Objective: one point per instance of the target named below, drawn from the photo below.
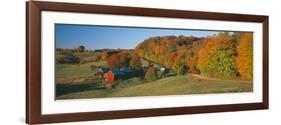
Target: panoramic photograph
(109, 61)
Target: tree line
(121, 59)
(226, 55)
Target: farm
(221, 62)
(82, 73)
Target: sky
(100, 37)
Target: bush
(94, 67)
(68, 57)
(161, 74)
(151, 74)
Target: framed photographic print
(94, 62)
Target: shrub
(93, 67)
(151, 74)
(161, 74)
(67, 57)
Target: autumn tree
(113, 61)
(119, 60)
(223, 55)
(192, 56)
(165, 50)
(135, 62)
(244, 59)
(151, 74)
(105, 55)
(171, 59)
(180, 68)
(217, 57)
(124, 59)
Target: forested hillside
(225, 55)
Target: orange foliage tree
(244, 59)
(113, 61)
(119, 60)
(151, 74)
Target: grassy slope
(175, 85)
(76, 70)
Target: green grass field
(76, 70)
(174, 85)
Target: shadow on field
(62, 89)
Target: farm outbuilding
(102, 71)
(114, 74)
(109, 76)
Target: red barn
(109, 76)
(114, 74)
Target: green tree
(81, 48)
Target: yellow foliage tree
(244, 60)
(217, 56)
